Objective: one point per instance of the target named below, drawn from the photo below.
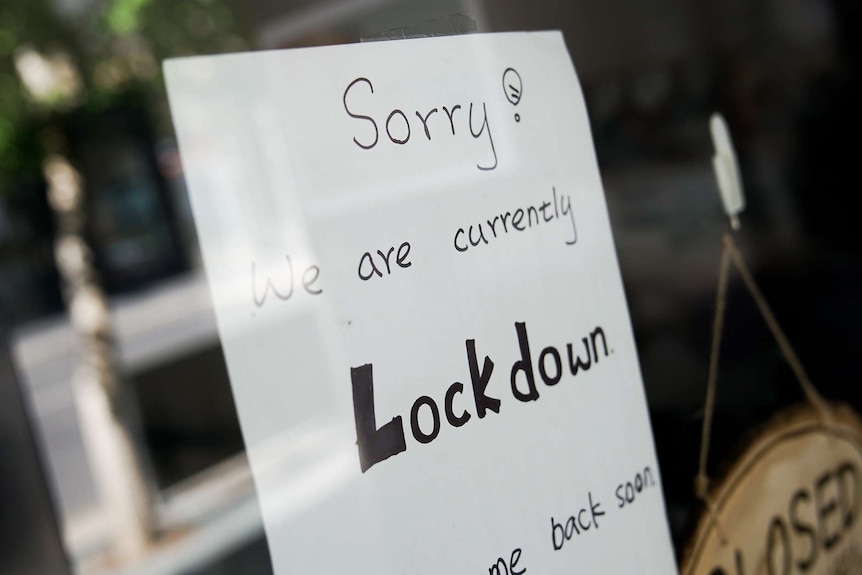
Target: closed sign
(790, 505)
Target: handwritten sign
(420, 306)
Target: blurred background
(94, 218)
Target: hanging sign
(791, 504)
(419, 302)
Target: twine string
(811, 393)
(730, 254)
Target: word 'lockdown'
(376, 445)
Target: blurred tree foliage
(105, 50)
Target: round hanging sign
(790, 505)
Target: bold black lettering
(558, 366)
(420, 435)
(804, 529)
(576, 366)
(454, 421)
(480, 381)
(524, 365)
(374, 444)
(777, 526)
(848, 481)
(389, 132)
(360, 116)
(824, 510)
(593, 336)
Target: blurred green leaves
(124, 15)
(114, 48)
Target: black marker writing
(368, 267)
(360, 116)
(483, 128)
(501, 567)
(581, 522)
(431, 124)
(376, 445)
(558, 207)
(627, 492)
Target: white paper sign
(421, 309)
